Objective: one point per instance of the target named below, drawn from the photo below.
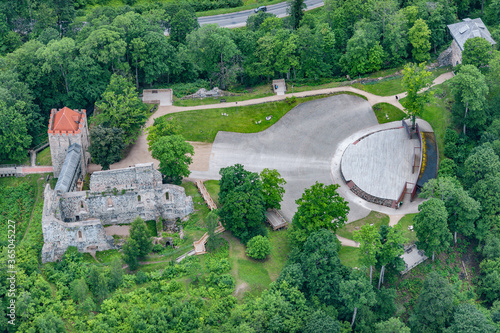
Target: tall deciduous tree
(419, 36)
(320, 207)
(57, 57)
(295, 9)
(434, 305)
(106, 145)
(356, 292)
(392, 325)
(470, 88)
(14, 137)
(467, 318)
(138, 245)
(416, 82)
(364, 53)
(162, 127)
(462, 209)
(122, 108)
(369, 240)
(477, 51)
(390, 249)
(173, 153)
(105, 45)
(242, 204)
(431, 226)
(272, 188)
(182, 24)
(396, 38)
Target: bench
(223, 100)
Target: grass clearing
(43, 157)
(108, 256)
(349, 256)
(280, 248)
(392, 85)
(405, 222)
(374, 217)
(213, 188)
(203, 125)
(387, 113)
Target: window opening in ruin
(110, 202)
(81, 204)
(138, 198)
(77, 218)
(79, 234)
(167, 196)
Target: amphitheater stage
(379, 165)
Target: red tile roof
(66, 120)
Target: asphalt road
(239, 19)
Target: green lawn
(108, 256)
(392, 86)
(349, 256)
(203, 125)
(376, 218)
(406, 221)
(386, 113)
(280, 248)
(213, 188)
(43, 157)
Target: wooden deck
(276, 220)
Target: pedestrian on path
(396, 97)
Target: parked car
(260, 9)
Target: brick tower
(66, 127)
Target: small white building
(461, 31)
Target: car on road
(260, 9)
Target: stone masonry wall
(456, 54)
(142, 176)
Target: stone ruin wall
(124, 208)
(61, 227)
(142, 176)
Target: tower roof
(66, 121)
(468, 28)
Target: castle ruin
(77, 218)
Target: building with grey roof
(71, 170)
(461, 32)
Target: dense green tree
(431, 226)
(14, 137)
(462, 209)
(49, 322)
(57, 56)
(115, 274)
(88, 81)
(106, 46)
(321, 267)
(162, 127)
(364, 53)
(491, 247)
(320, 207)
(434, 305)
(369, 240)
(467, 318)
(356, 292)
(98, 283)
(490, 280)
(313, 63)
(392, 325)
(295, 8)
(477, 51)
(242, 203)
(470, 89)
(121, 107)
(395, 39)
(272, 188)
(258, 247)
(138, 245)
(79, 291)
(216, 53)
(182, 24)
(212, 222)
(175, 156)
(254, 21)
(106, 145)
(319, 321)
(419, 36)
(416, 82)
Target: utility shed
(461, 31)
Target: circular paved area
(301, 146)
(381, 163)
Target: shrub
(258, 247)
(157, 248)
